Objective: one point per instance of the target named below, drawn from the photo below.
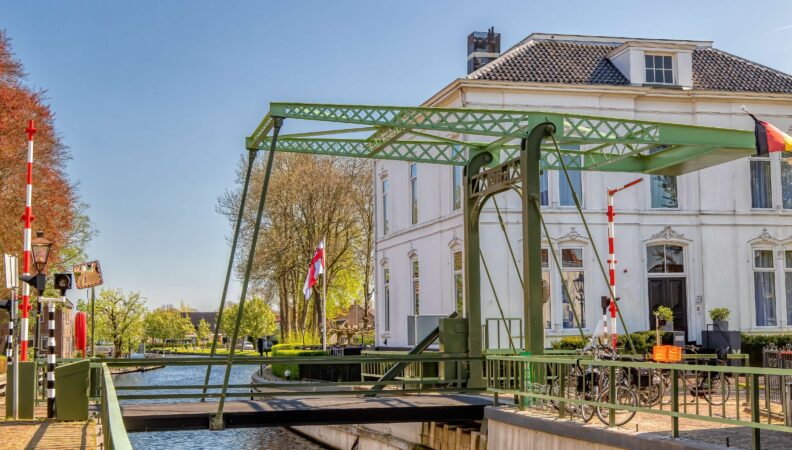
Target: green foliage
(167, 324)
(258, 319)
(719, 314)
(752, 344)
(279, 370)
(119, 319)
(307, 337)
(203, 332)
(643, 341)
(3, 365)
(664, 313)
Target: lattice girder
(607, 144)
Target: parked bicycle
(714, 387)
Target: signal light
(39, 281)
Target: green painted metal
(532, 239)
(497, 365)
(71, 390)
(231, 257)
(217, 421)
(607, 144)
(114, 434)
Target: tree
(309, 198)
(167, 324)
(203, 332)
(258, 319)
(119, 318)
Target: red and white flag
(316, 268)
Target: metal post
(675, 402)
(37, 331)
(217, 421)
(532, 240)
(472, 255)
(26, 245)
(50, 360)
(756, 439)
(93, 322)
(230, 268)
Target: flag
(316, 268)
(769, 138)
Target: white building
(718, 237)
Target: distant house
(355, 317)
(209, 317)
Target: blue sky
(155, 98)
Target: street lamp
(41, 248)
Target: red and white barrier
(27, 217)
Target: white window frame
(774, 270)
(386, 297)
(773, 183)
(413, 193)
(546, 270)
(385, 186)
(584, 310)
(663, 208)
(454, 274)
(457, 187)
(674, 76)
(560, 179)
(786, 271)
(665, 274)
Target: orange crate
(667, 353)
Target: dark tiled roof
(576, 62)
(209, 317)
(720, 71)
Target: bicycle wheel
(625, 397)
(718, 391)
(570, 391)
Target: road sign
(87, 274)
(11, 271)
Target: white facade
(718, 223)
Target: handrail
(113, 431)
(738, 396)
(297, 360)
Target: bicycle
(714, 387)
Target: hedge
(287, 350)
(643, 341)
(752, 344)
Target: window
(664, 191)
(416, 286)
(544, 197)
(761, 186)
(786, 181)
(665, 259)
(414, 193)
(572, 272)
(385, 212)
(457, 187)
(659, 69)
(788, 283)
(386, 298)
(764, 288)
(546, 289)
(565, 197)
(459, 284)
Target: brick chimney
(483, 47)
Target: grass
(206, 351)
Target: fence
(114, 434)
(774, 357)
(581, 388)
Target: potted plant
(664, 317)
(720, 318)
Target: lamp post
(580, 288)
(40, 249)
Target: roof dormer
(655, 63)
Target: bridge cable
(497, 301)
(588, 232)
(558, 268)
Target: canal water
(235, 438)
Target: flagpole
(324, 295)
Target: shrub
(3, 365)
(287, 350)
(643, 341)
(664, 313)
(718, 314)
(752, 344)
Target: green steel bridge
(500, 150)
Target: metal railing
(777, 358)
(416, 382)
(581, 388)
(114, 434)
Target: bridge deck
(290, 411)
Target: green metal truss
(433, 135)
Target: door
(670, 292)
